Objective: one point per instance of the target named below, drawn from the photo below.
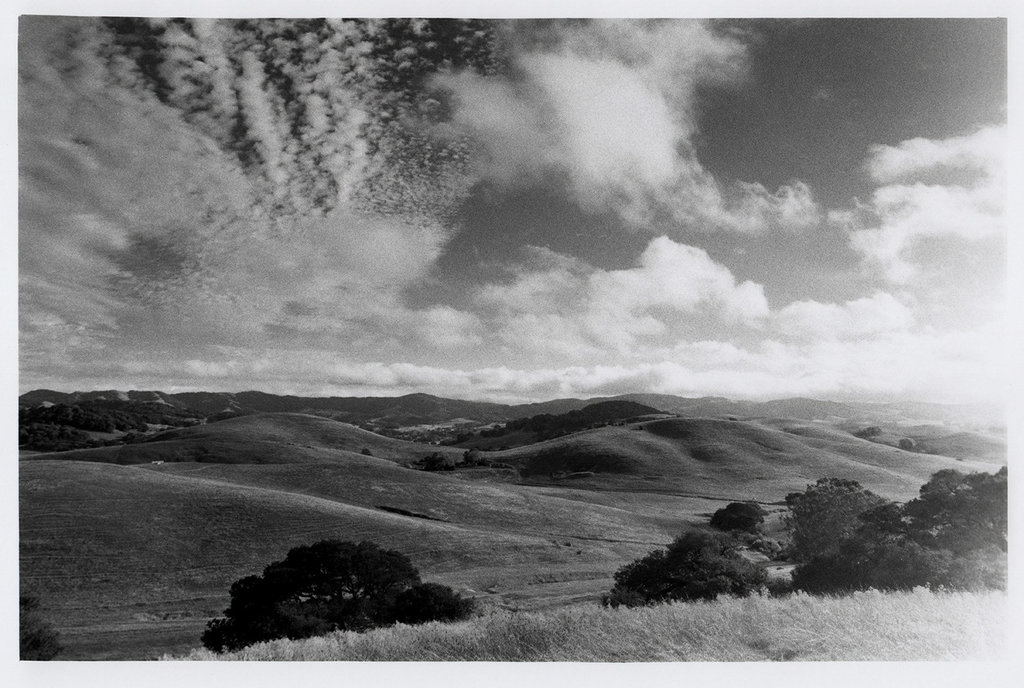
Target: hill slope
(130, 559)
(257, 438)
(722, 458)
(413, 409)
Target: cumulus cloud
(931, 189)
(567, 306)
(979, 155)
(930, 365)
(872, 315)
(612, 106)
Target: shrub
(695, 566)
(438, 462)
(431, 602)
(38, 639)
(744, 516)
(766, 546)
(330, 585)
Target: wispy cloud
(613, 107)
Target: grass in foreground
(918, 625)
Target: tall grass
(918, 625)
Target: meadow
(867, 626)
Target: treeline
(61, 427)
(952, 536)
(547, 426)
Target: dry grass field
(867, 626)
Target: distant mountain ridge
(419, 408)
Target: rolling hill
(722, 459)
(413, 409)
(130, 558)
(254, 439)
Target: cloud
(979, 155)
(949, 367)
(932, 190)
(263, 203)
(169, 200)
(611, 107)
(565, 306)
(877, 314)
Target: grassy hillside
(131, 561)
(131, 558)
(724, 459)
(259, 438)
(912, 626)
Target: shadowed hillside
(722, 458)
(258, 438)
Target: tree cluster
(61, 427)
(697, 565)
(739, 516)
(46, 437)
(953, 535)
(327, 586)
(547, 426)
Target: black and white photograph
(534, 339)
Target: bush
(744, 516)
(438, 462)
(766, 546)
(38, 639)
(431, 602)
(695, 566)
(330, 585)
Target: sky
(514, 210)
